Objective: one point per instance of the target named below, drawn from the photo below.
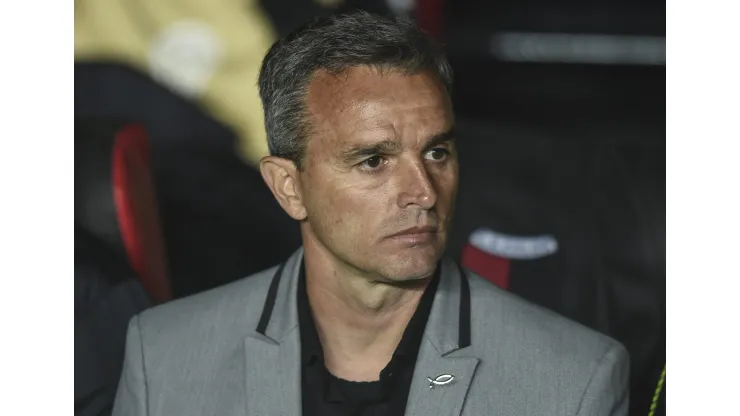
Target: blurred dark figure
(561, 111)
(572, 218)
(219, 220)
(120, 267)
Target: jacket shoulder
(548, 363)
(533, 329)
(237, 303)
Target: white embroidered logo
(513, 247)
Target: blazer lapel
(428, 398)
(273, 351)
(444, 370)
(273, 375)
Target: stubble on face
(380, 160)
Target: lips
(409, 232)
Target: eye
(437, 154)
(373, 163)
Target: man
(367, 318)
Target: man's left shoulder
(529, 331)
(546, 363)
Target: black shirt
(326, 395)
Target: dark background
(561, 109)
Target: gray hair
(336, 44)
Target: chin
(402, 266)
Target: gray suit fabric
(203, 355)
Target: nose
(417, 188)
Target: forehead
(362, 103)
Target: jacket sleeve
(131, 397)
(607, 393)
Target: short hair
(336, 44)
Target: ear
(281, 176)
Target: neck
(360, 321)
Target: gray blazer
(235, 350)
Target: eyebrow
(389, 146)
(440, 138)
(362, 151)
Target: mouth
(420, 233)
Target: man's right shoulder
(221, 309)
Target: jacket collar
(448, 326)
(272, 352)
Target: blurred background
(561, 120)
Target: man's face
(380, 174)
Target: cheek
(349, 209)
(339, 210)
(447, 181)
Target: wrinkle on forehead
(363, 102)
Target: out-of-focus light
(185, 55)
(400, 6)
(579, 48)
